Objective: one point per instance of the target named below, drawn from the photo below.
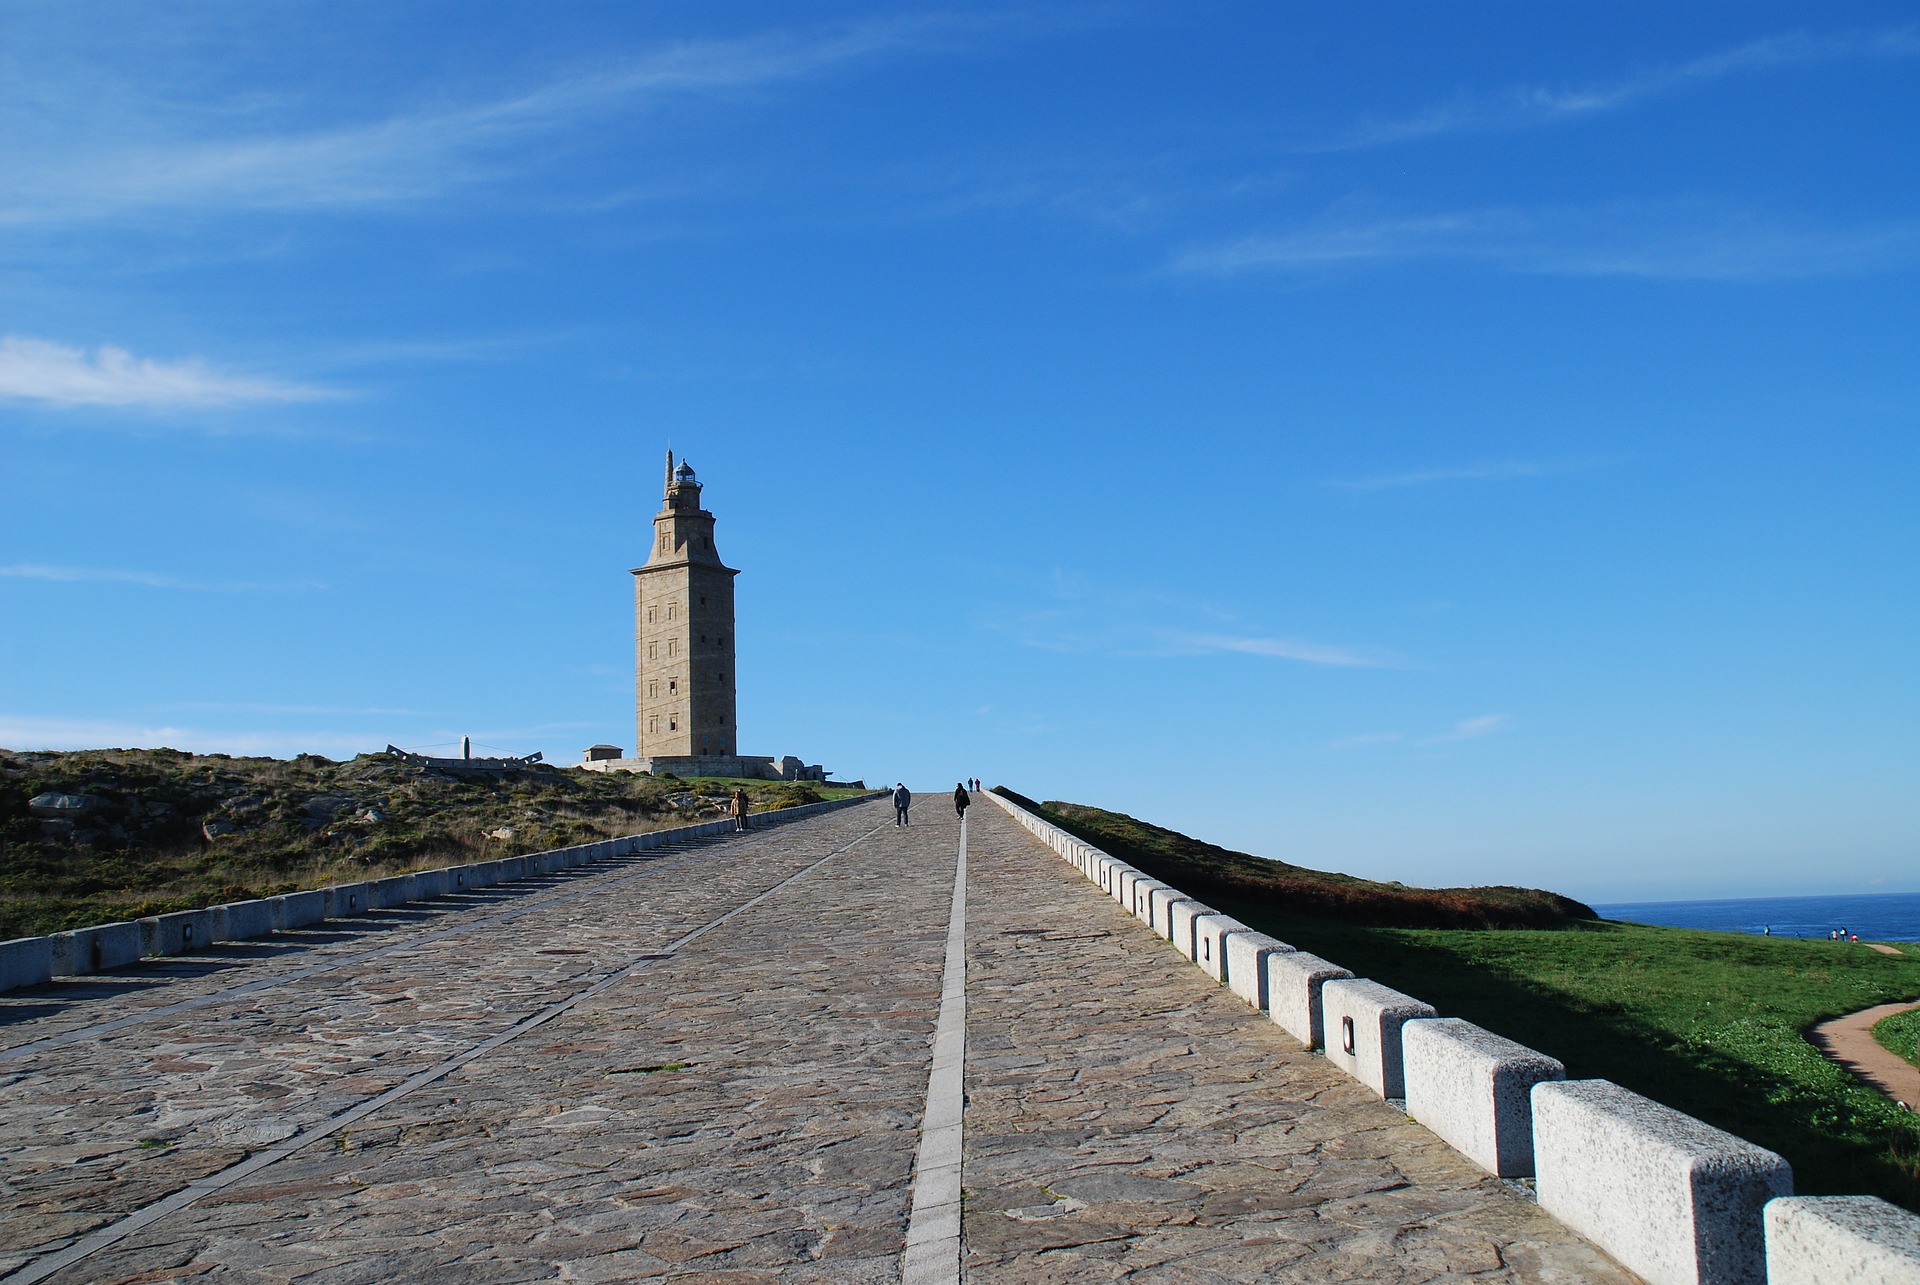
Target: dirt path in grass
(1849, 1041)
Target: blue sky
(1444, 443)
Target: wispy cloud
(150, 580)
(1528, 106)
(42, 371)
(1472, 729)
(257, 707)
(413, 156)
(1081, 618)
(1675, 241)
(1366, 738)
(1467, 729)
(27, 732)
(1485, 471)
(1310, 653)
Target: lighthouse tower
(683, 630)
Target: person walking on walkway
(739, 809)
(901, 802)
(960, 801)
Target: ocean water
(1889, 916)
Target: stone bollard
(96, 949)
(1295, 980)
(1103, 865)
(1210, 935)
(1474, 1089)
(243, 920)
(1247, 965)
(1363, 1021)
(1159, 916)
(1142, 905)
(1678, 1202)
(344, 899)
(458, 878)
(177, 933)
(25, 961)
(1180, 916)
(1841, 1240)
(298, 909)
(385, 894)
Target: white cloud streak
(1652, 242)
(1530, 106)
(1467, 729)
(1310, 653)
(38, 370)
(149, 580)
(26, 732)
(1486, 471)
(1472, 729)
(1086, 619)
(419, 155)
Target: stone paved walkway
(746, 1109)
(749, 1106)
(1129, 1119)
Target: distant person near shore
(739, 809)
(902, 800)
(960, 801)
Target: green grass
(1900, 1034)
(1708, 1023)
(141, 851)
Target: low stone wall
(34, 961)
(1672, 1198)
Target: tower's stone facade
(683, 627)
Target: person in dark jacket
(739, 809)
(960, 801)
(901, 802)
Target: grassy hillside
(1206, 870)
(1709, 1023)
(1901, 1034)
(170, 831)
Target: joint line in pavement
(44, 1266)
(932, 1254)
(535, 902)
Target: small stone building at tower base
(762, 766)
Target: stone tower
(683, 627)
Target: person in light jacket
(739, 809)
